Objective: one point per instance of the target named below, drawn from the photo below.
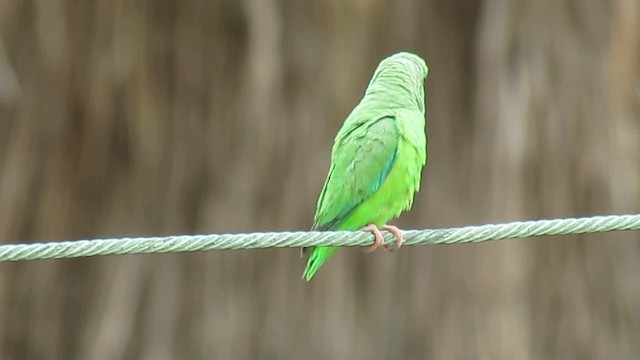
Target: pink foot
(379, 239)
(397, 233)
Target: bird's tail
(318, 256)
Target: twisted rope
(184, 243)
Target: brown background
(123, 118)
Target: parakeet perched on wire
(377, 157)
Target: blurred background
(134, 118)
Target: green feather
(377, 156)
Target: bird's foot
(397, 233)
(379, 239)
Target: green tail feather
(317, 257)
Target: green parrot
(377, 157)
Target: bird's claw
(397, 233)
(379, 239)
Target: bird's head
(404, 71)
(403, 64)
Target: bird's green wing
(361, 159)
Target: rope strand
(185, 243)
